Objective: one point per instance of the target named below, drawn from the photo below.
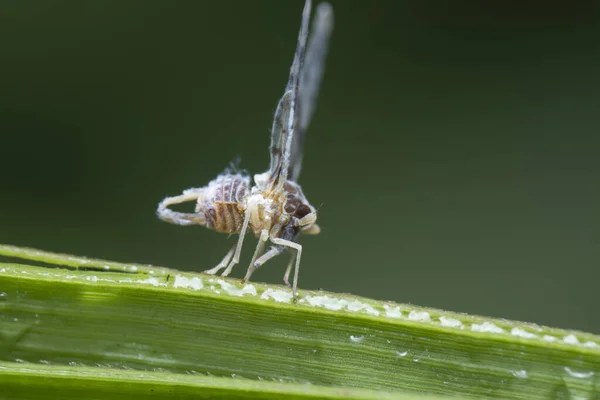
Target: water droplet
(521, 374)
(571, 339)
(486, 326)
(422, 316)
(401, 354)
(357, 339)
(549, 338)
(578, 374)
(450, 322)
(522, 333)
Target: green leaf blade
(147, 318)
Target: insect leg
(238, 249)
(308, 219)
(163, 212)
(286, 276)
(273, 251)
(264, 236)
(223, 262)
(298, 247)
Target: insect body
(275, 208)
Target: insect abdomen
(225, 203)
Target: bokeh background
(453, 155)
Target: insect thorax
(280, 206)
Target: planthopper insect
(275, 209)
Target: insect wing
(279, 136)
(311, 75)
(285, 119)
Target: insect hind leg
(179, 218)
(223, 262)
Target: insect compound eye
(302, 211)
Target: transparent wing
(284, 123)
(279, 137)
(311, 75)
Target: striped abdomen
(225, 202)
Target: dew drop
(578, 374)
(357, 339)
(521, 374)
(401, 354)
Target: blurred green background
(453, 155)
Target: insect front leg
(223, 262)
(309, 218)
(264, 236)
(298, 247)
(238, 249)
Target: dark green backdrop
(453, 155)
